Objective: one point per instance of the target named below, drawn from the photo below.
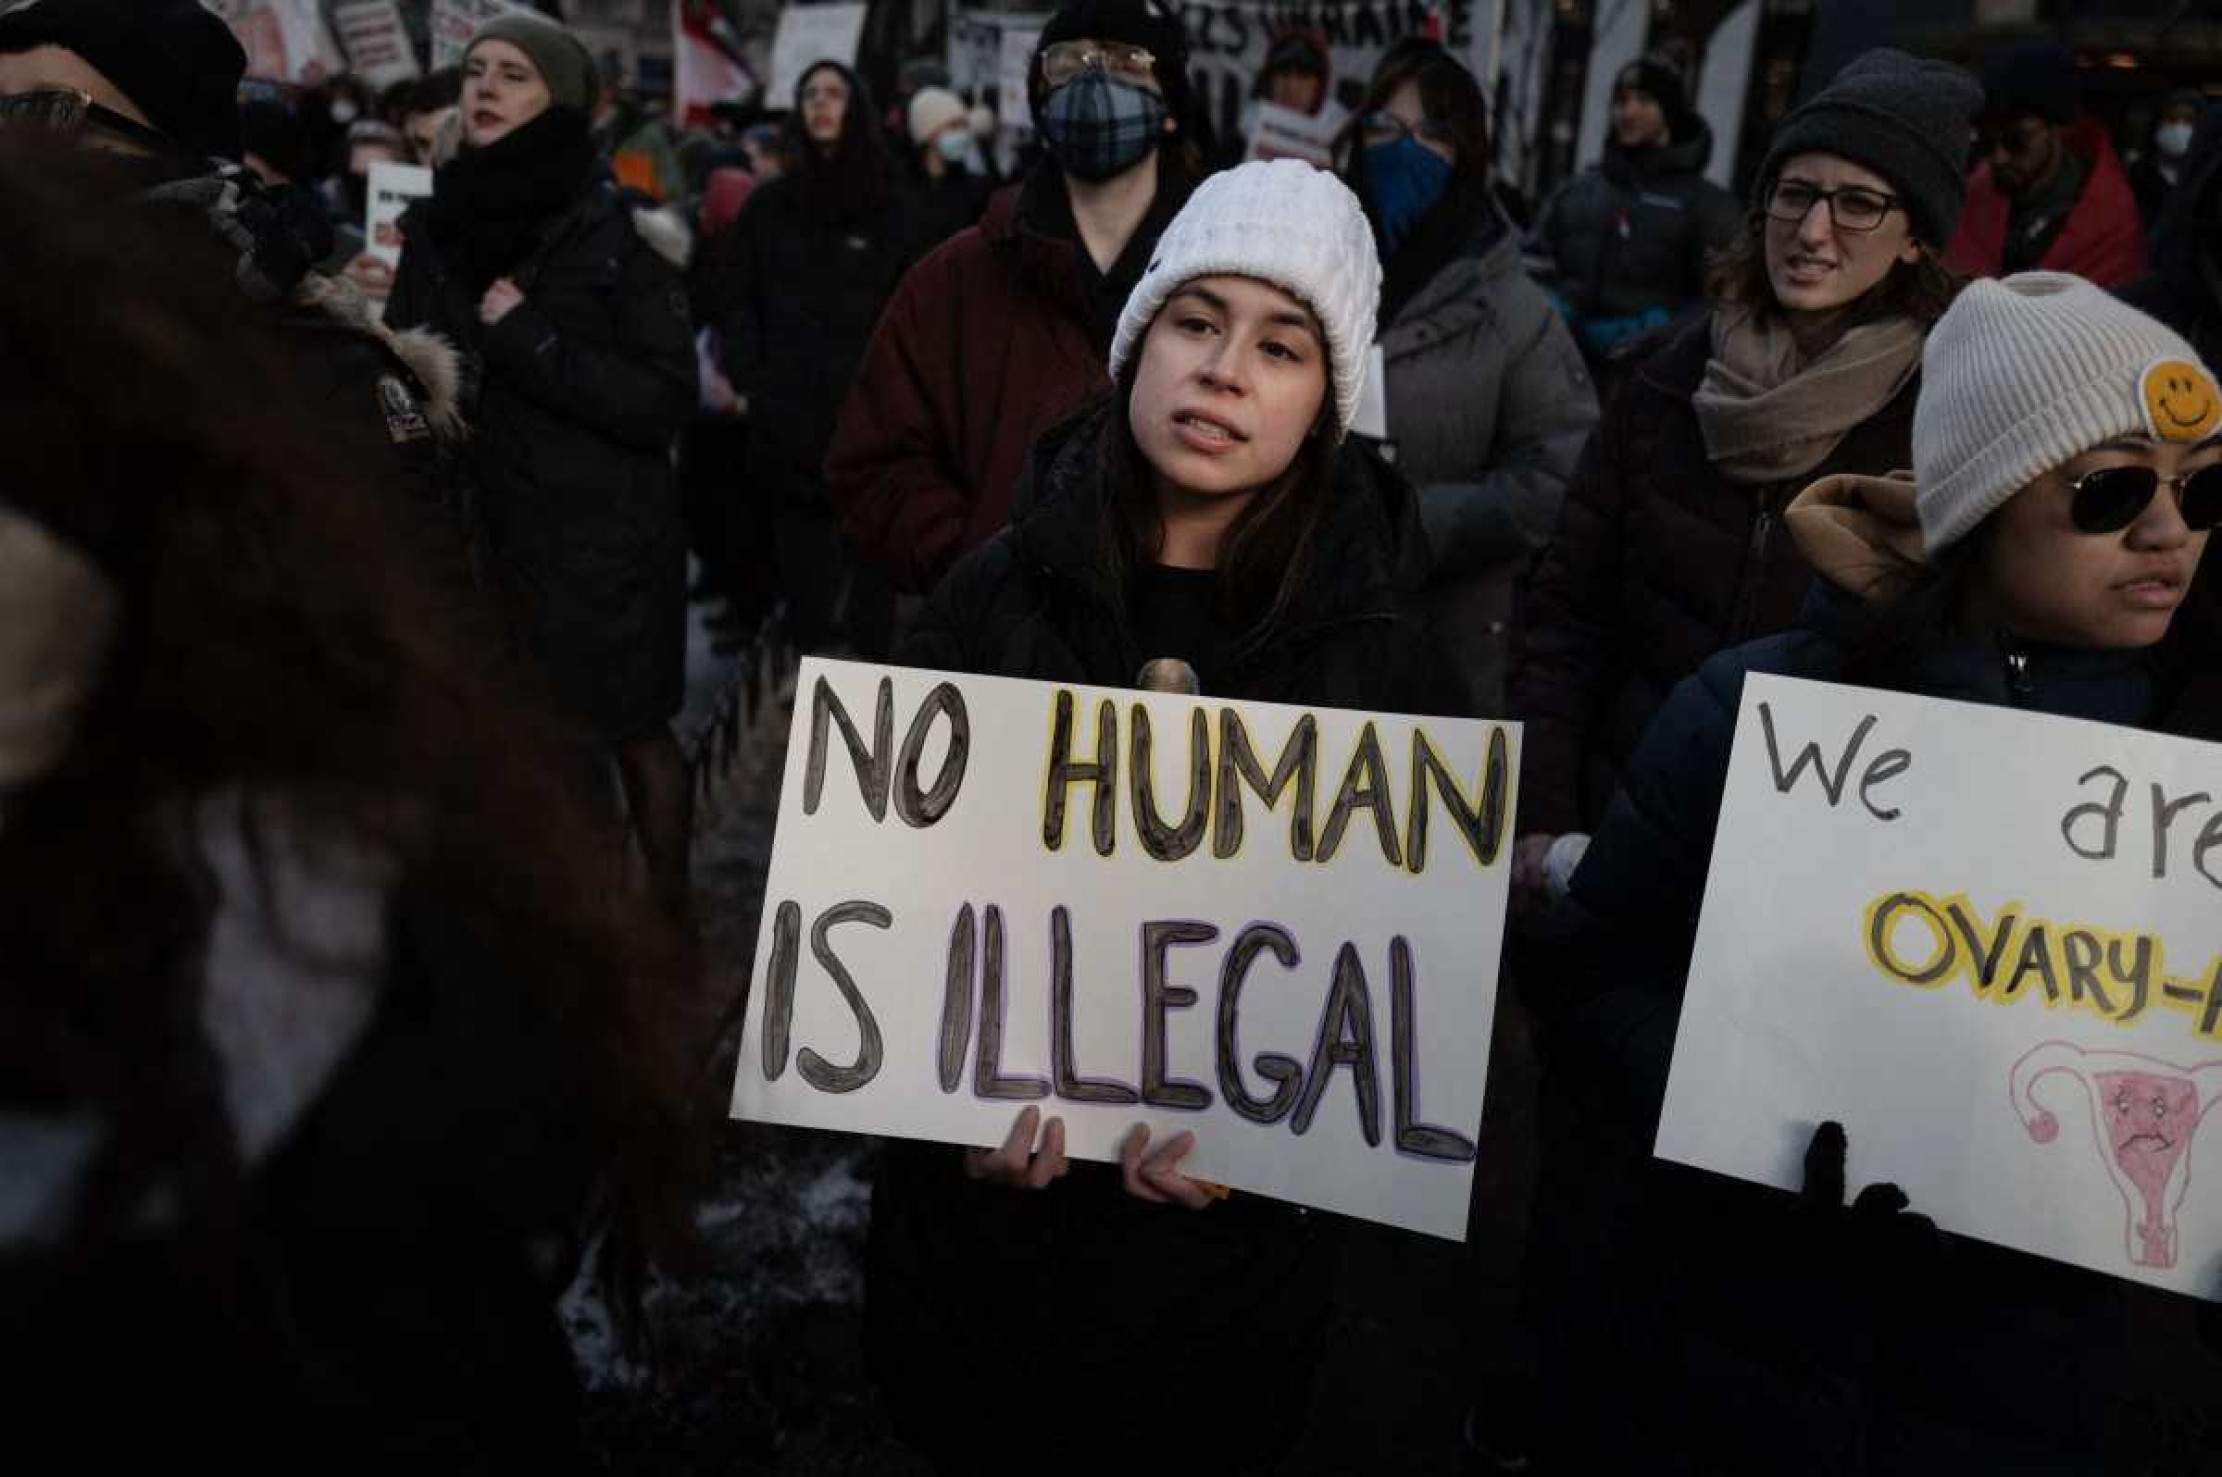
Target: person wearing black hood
(794, 289)
(1628, 241)
(2155, 172)
(2184, 287)
(1002, 331)
(146, 91)
(581, 357)
(1488, 402)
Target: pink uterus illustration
(2143, 1112)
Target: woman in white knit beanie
(2043, 555)
(1205, 528)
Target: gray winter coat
(1489, 406)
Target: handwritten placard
(392, 188)
(376, 41)
(1276, 927)
(1990, 944)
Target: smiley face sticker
(2181, 400)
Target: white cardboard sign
(1242, 919)
(1989, 943)
(392, 189)
(808, 35)
(376, 41)
(454, 21)
(1284, 133)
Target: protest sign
(285, 40)
(391, 189)
(807, 35)
(1228, 42)
(1989, 944)
(1014, 67)
(1278, 928)
(376, 41)
(1284, 133)
(453, 21)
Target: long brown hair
(275, 640)
(1265, 559)
(1920, 290)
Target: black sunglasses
(66, 110)
(2112, 498)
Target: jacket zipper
(2020, 686)
(1755, 565)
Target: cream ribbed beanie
(2025, 373)
(1280, 221)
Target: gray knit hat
(1280, 221)
(564, 62)
(1905, 118)
(2026, 373)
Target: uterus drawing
(2144, 1113)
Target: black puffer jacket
(580, 392)
(1146, 1307)
(1659, 562)
(794, 296)
(1633, 233)
(1757, 1351)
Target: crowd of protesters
(343, 615)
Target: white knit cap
(932, 109)
(1280, 221)
(2025, 373)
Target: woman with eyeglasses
(1670, 544)
(2067, 471)
(1487, 401)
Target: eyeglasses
(2112, 498)
(1387, 128)
(66, 110)
(1068, 59)
(1851, 207)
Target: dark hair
(1920, 290)
(1266, 558)
(856, 177)
(274, 640)
(440, 88)
(1449, 96)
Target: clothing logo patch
(2181, 401)
(405, 420)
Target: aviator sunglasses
(2112, 498)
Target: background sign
(1987, 942)
(809, 34)
(1276, 927)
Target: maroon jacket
(989, 341)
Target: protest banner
(1278, 928)
(392, 188)
(1014, 67)
(807, 35)
(285, 40)
(1228, 42)
(453, 21)
(1987, 942)
(1284, 133)
(376, 41)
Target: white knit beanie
(1280, 221)
(2025, 373)
(932, 109)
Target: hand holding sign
(1095, 877)
(1996, 959)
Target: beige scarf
(1769, 416)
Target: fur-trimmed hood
(431, 359)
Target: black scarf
(491, 206)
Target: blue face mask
(955, 146)
(1404, 179)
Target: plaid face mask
(1098, 126)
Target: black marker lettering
(1285, 1072)
(1345, 1039)
(870, 1052)
(1070, 1085)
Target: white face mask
(344, 111)
(2174, 139)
